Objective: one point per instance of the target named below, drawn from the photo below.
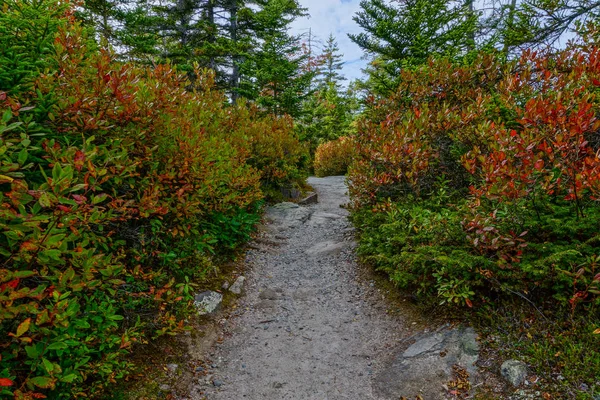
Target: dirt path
(310, 327)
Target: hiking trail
(311, 326)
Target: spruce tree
(271, 72)
(404, 34)
(330, 60)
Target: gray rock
(172, 368)
(324, 218)
(217, 383)
(237, 285)
(225, 285)
(427, 364)
(514, 371)
(164, 387)
(291, 193)
(287, 215)
(269, 294)
(324, 249)
(208, 302)
(526, 395)
(311, 198)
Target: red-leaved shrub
(118, 186)
(334, 157)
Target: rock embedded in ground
(208, 302)
(269, 294)
(172, 368)
(327, 248)
(428, 364)
(514, 371)
(311, 198)
(287, 215)
(237, 285)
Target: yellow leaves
(5, 179)
(23, 327)
(596, 332)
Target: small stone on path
(269, 294)
(324, 249)
(217, 383)
(208, 302)
(514, 371)
(237, 285)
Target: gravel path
(308, 326)
(308, 330)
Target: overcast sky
(334, 16)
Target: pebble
(172, 367)
(217, 383)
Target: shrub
(485, 176)
(118, 187)
(334, 157)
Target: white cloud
(334, 16)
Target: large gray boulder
(426, 366)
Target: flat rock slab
(325, 249)
(426, 366)
(287, 215)
(324, 218)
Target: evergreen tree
(328, 114)
(271, 73)
(407, 33)
(540, 23)
(330, 60)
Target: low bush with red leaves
(334, 157)
(119, 186)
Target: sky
(334, 16)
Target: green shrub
(118, 188)
(517, 209)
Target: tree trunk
(510, 21)
(235, 73)
(471, 14)
(210, 14)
